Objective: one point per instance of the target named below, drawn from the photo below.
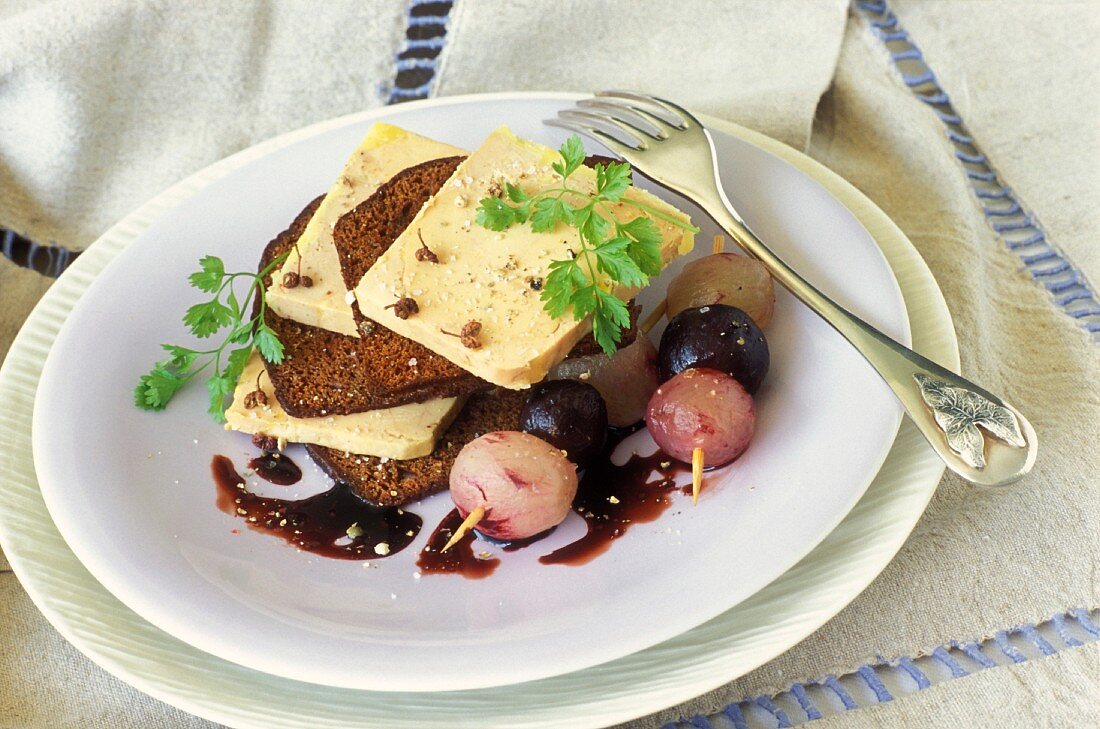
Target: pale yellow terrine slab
(384, 151)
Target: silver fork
(979, 436)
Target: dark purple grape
(719, 337)
(569, 415)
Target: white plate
(132, 491)
(730, 644)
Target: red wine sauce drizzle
(276, 468)
(614, 498)
(336, 523)
(460, 558)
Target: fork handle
(945, 407)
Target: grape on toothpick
(702, 417)
(511, 485)
(569, 415)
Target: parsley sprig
(611, 251)
(224, 311)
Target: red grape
(525, 485)
(702, 408)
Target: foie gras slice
(494, 278)
(400, 433)
(384, 151)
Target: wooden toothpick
(467, 524)
(696, 474)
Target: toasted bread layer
(395, 483)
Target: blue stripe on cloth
(416, 64)
(915, 673)
(890, 680)
(956, 669)
(803, 699)
(934, 98)
(845, 697)
(867, 673)
(1001, 639)
(48, 260)
(915, 73)
(1012, 209)
(1082, 616)
(975, 653)
(1029, 632)
(734, 714)
(783, 721)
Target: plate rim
(132, 225)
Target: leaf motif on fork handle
(959, 412)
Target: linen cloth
(103, 122)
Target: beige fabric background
(978, 561)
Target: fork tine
(680, 111)
(609, 124)
(637, 122)
(680, 119)
(591, 132)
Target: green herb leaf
(235, 363)
(219, 386)
(156, 388)
(594, 228)
(206, 318)
(645, 246)
(612, 180)
(496, 214)
(585, 300)
(561, 286)
(572, 154)
(611, 317)
(181, 357)
(268, 344)
(548, 212)
(209, 279)
(515, 192)
(613, 259)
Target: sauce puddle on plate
(459, 559)
(611, 499)
(276, 468)
(336, 523)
